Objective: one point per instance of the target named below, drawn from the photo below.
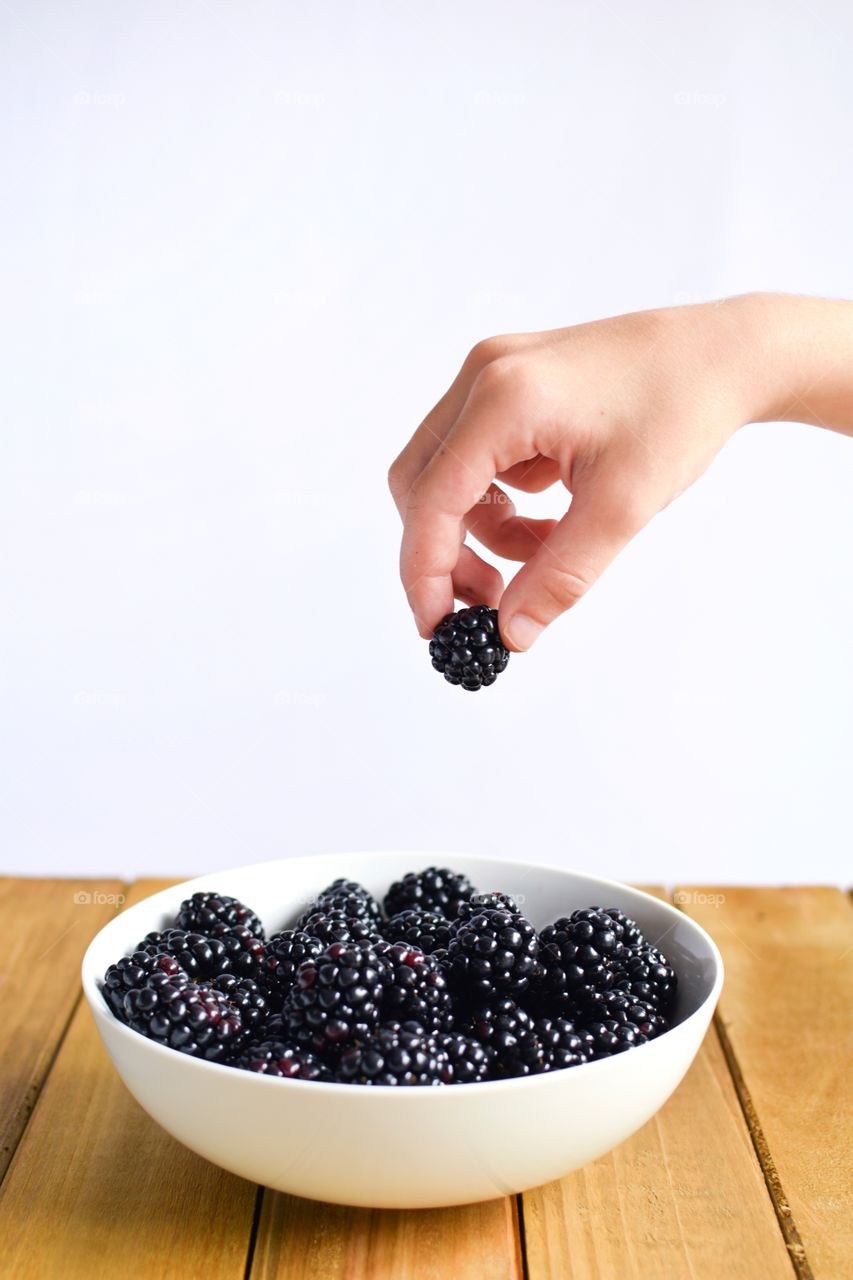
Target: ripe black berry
(463, 1059)
(487, 901)
(245, 996)
(347, 896)
(133, 971)
(275, 1058)
(235, 950)
(196, 1020)
(210, 913)
(336, 998)
(436, 889)
(646, 973)
(419, 928)
(416, 988)
(396, 1054)
(579, 955)
(493, 953)
(285, 953)
(498, 1026)
(331, 925)
(467, 648)
(611, 1037)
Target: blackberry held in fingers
(467, 649)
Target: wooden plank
(303, 1240)
(47, 925)
(785, 1021)
(683, 1197)
(97, 1189)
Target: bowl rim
(101, 1011)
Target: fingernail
(522, 631)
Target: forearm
(801, 355)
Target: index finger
(454, 481)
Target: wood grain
(685, 1197)
(97, 1189)
(47, 925)
(786, 1018)
(304, 1240)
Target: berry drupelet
(419, 928)
(275, 1058)
(210, 913)
(467, 648)
(336, 998)
(398, 1053)
(493, 953)
(436, 889)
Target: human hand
(625, 412)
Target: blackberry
(436, 889)
(463, 1059)
(336, 926)
(621, 1005)
(246, 996)
(210, 913)
(235, 950)
(579, 955)
(487, 901)
(199, 956)
(611, 1037)
(275, 1058)
(631, 935)
(551, 1045)
(645, 972)
(416, 989)
(419, 928)
(336, 998)
(493, 953)
(196, 1020)
(285, 953)
(498, 1026)
(467, 648)
(396, 1054)
(343, 895)
(133, 971)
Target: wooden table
(744, 1173)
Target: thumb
(598, 524)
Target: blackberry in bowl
(523, 1093)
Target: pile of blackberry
(438, 985)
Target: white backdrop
(245, 247)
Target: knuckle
(508, 376)
(487, 350)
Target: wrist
(796, 359)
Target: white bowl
(383, 1147)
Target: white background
(245, 247)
